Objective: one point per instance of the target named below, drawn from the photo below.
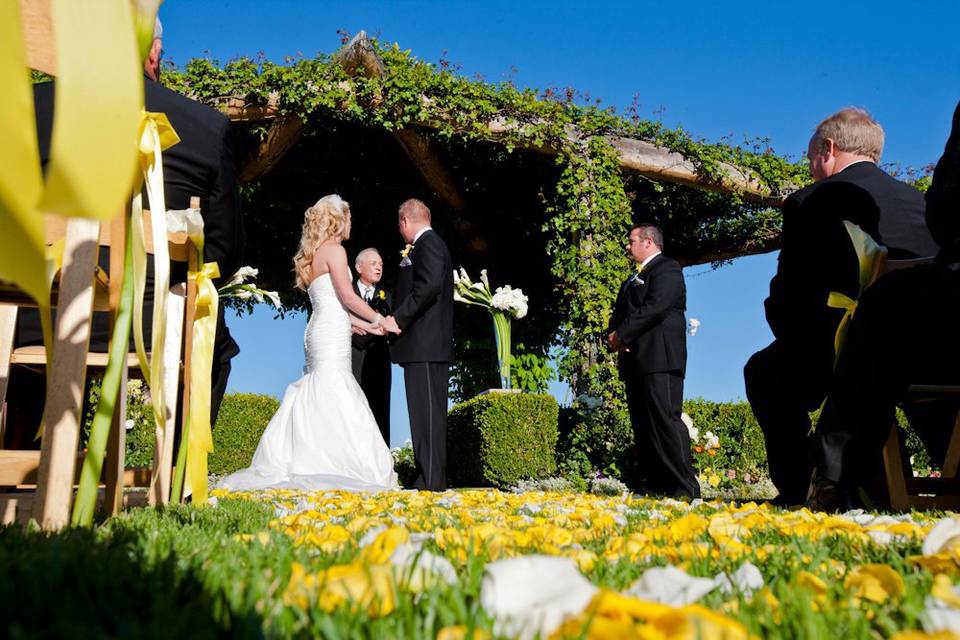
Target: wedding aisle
(482, 563)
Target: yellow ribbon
(870, 258)
(199, 431)
(155, 135)
(91, 158)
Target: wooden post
(117, 441)
(8, 324)
(66, 375)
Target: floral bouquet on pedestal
(504, 304)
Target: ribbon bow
(198, 431)
(870, 257)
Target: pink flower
(732, 474)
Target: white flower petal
(670, 585)
(532, 595)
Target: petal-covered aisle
(576, 565)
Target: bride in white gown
(324, 436)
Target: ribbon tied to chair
(870, 258)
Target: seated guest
(371, 353)
(789, 378)
(901, 334)
(201, 164)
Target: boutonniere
(382, 294)
(406, 251)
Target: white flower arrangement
(504, 304)
(237, 287)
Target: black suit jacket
(943, 197)
(817, 257)
(201, 164)
(648, 318)
(423, 304)
(381, 306)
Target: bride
(324, 436)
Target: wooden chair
(55, 468)
(905, 490)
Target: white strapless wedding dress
(323, 436)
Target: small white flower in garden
(692, 326)
(691, 430)
(129, 425)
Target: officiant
(371, 356)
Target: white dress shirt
(643, 265)
(420, 233)
(366, 290)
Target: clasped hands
(614, 343)
(380, 326)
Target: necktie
(368, 294)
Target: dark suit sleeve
(943, 197)
(663, 293)
(776, 305)
(223, 221)
(427, 279)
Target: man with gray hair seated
(789, 379)
(371, 354)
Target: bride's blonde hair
(325, 220)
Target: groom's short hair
(363, 254)
(649, 230)
(415, 211)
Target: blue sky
(720, 68)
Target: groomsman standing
(423, 309)
(371, 355)
(648, 329)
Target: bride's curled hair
(324, 220)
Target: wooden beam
(359, 57)
(765, 244)
(426, 159)
(283, 134)
(38, 35)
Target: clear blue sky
(716, 68)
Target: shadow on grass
(82, 583)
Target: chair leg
(893, 465)
(8, 325)
(163, 452)
(65, 376)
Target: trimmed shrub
(741, 440)
(499, 439)
(240, 423)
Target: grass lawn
(405, 564)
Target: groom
(423, 309)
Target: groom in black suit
(371, 355)
(648, 329)
(423, 310)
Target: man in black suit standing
(371, 354)
(648, 329)
(423, 310)
(201, 164)
(902, 334)
(789, 379)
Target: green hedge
(499, 438)
(741, 440)
(240, 423)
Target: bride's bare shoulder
(326, 258)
